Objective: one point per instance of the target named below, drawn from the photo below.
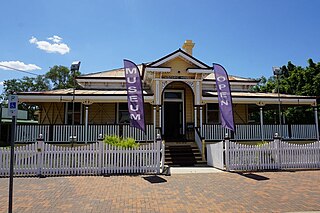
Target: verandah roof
(261, 98)
(81, 95)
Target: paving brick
(215, 192)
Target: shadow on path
(254, 176)
(155, 179)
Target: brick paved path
(218, 192)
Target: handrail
(199, 141)
(162, 149)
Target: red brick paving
(217, 192)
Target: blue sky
(248, 37)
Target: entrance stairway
(183, 154)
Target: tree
(26, 84)
(58, 77)
(61, 77)
(295, 80)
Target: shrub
(121, 142)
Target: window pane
(173, 95)
(76, 118)
(213, 106)
(213, 116)
(123, 106)
(213, 113)
(124, 117)
(77, 107)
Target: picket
(97, 158)
(272, 155)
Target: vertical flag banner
(224, 97)
(134, 95)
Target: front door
(173, 120)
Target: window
(77, 113)
(123, 113)
(173, 95)
(213, 113)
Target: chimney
(187, 46)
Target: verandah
(62, 133)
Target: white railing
(253, 131)
(30, 133)
(273, 155)
(97, 158)
(214, 132)
(244, 132)
(198, 138)
(270, 129)
(137, 134)
(303, 131)
(62, 133)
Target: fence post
(226, 149)
(277, 140)
(158, 144)
(100, 153)
(40, 150)
(203, 151)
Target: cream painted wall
(52, 113)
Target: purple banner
(224, 97)
(135, 95)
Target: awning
(261, 98)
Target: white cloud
(1, 83)
(18, 65)
(55, 39)
(55, 47)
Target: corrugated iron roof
(82, 92)
(257, 95)
(115, 73)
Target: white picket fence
(273, 155)
(94, 159)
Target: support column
(200, 124)
(316, 121)
(160, 117)
(154, 121)
(86, 125)
(261, 123)
(195, 116)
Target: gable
(179, 68)
(183, 55)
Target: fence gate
(215, 155)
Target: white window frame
(174, 100)
(66, 112)
(207, 109)
(118, 110)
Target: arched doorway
(177, 104)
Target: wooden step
(183, 154)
